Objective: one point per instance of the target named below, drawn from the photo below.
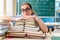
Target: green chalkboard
(41, 7)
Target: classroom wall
(6, 7)
(9, 7)
(1, 7)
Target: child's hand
(35, 17)
(30, 17)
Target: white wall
(1, 7)
(9, 7)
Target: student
(27, 12)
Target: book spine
(24, 26)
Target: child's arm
(41, 24)
(7, 18)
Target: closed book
(19, 34)
(19, 23)
(36, 35)
(16, 30)
(30, 26)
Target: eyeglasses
(26, 9)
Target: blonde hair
(33, 12)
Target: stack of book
(4, 27)
(25, 28)
(19, 22)
(31, 29)
(16, 29)
(30, 23)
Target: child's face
(26, 10)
